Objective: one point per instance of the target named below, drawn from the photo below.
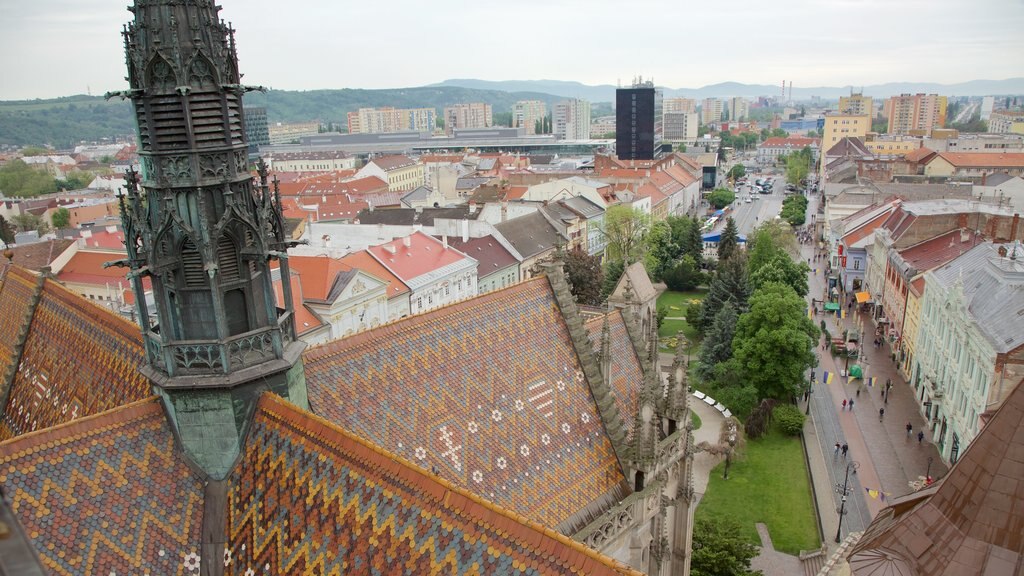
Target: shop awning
(831, 306)
(863, 297)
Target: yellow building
(911, 324)
(857, 105)
(400, 172)
(892, 145)
(839, 126)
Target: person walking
(910, 429)
(881, 413)
(845, 448)
(836, 452)
(851, 404)
(844, 403)
(920, 437)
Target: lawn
(675, 304)
(696, 420)
(768, 484)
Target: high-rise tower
(205, 234)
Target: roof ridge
(287, 411)
(83, 424)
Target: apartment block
(739, 109)
(1006, 122)
(527, 113)
(680, 105)
(472, 115)
(915, 112)
(857, 105)
(570, 119)
(390, 120)
(711, 111)
(288, 133)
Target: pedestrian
(888, 384)
(910, 429)
(851, 404)
(836, 453)
(881, 413)
(920, 436)
(885, 399)
(858, 391)
(844, 403)
(845, 448)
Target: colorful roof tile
(338, 504)
(488, 393)
(627, 377)
(79, 359)
(106, 494)
(15, 306)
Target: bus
(710, 224)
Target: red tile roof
(389, 163)
(918, 155)
(487, 392)
(105, 239)
(367, 263)
(490, 255)
(305, 321)
(983, 159)
(423, 255)
(356, 506)
(791, 142)
(40, 254)
(86, 267)
(940, 250)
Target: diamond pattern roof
(488, 393)
(340, 505)
(106, 494)
(15, 304)
(627, 377)
(79, 359)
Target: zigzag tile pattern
(79, 359)
(627, 377)
(487, 393)
(309, 498)
(106, 495)
(15, 300)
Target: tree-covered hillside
(63, 122)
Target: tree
(720, 198)
(613, 270)
(728, 243)
(797, 167)
(783, 269)
(18, 179)
(585, 276)
(624, 229)
(694, 243)
(61, 218)
(717, 346)
(736, 172)
(729, 285)
(774, 342)
(684, 276)
(794, 210)
(662, 251)
(6, 231)
(720, 549)
(34, 151)
(681, 148)
(767, 240)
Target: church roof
(971, 523)
(627, 377)
(106, 494)
(78, 359)
(489, 393)
(643, 290)
(17, 286)
(341, 503)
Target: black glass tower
(638, 122)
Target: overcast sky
(55, 48)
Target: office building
(256, 129)
(638, 122)
(681, 127)
(570, 119)
(915, 112)
(288, 133)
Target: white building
(436, 274)
(570, 119)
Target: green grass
(696, 420)
(767, 484)
(670, 328)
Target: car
(759, 182)
(748, 200)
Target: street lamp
(844, 490)
(928, 472)
(810, 390)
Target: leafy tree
(720, 198)
(624, 229)
(34, 151)
(798, 164)
(794, 210)
(6, 231)
(681, 148)
(728, 243)
(719, 549)
(774, 342)
(61, 218)
(684, 276)
(729, 285)
(27, 222)
(814, 134)
(662, 251)
(717, 347)
(880, 125)
(769, 239)
(613, 270)
(736, 172)
(76, 180)
(18, 179)
(585, 276)
(782, 269)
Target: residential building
(711, 111)
(638, 122)
(436, 274)
(315, 161)
(400, 172)
(915, 112)
(856, 105)
(256, 128)
(681, 127)
(601, 127)
(391, 120)
(526, 114)
(348, 300)
(988, 104)
(497, 267)
(472, 115)
(1001, 189)
(739, 109)
(597, 191)
(291, 133)
(1006, 122)
(593, 217)
(398, 302)
(986, 142)
(891, 144)
(679, 105)
(570, 119)
(770, 150)
(836, 127)
(534, 238)
(971, 342)
(974, 165)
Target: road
(765, 207)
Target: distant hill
(606, 92)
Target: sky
(51, 48)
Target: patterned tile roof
(79, 359)
(15, 305)
(106, 494)
(340, 505)
(489, 393)
(627, 377)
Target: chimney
(472, 207)
(407, 241)
(465, 230)
(444, 241)
(965, 235)
(504, 211)
(390, 248)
